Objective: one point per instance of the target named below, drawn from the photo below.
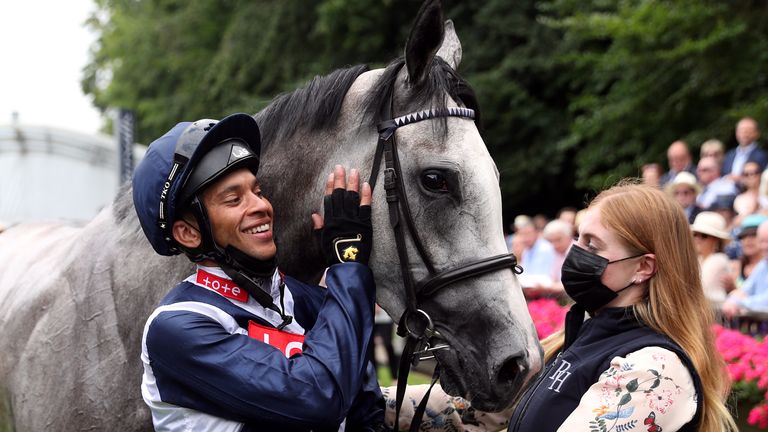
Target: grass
(415, 377)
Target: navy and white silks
(202, 371)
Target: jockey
(238, 346)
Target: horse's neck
(293, 174)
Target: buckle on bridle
(419, 326)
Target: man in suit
(747, 134)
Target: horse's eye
(434, 181)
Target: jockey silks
(214, 362)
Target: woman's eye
(434, 181)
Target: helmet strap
(251, 274)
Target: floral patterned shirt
(649, 390)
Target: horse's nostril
(510, 370)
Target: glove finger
(365, 213)
(337, 201)
(327, 207)
(351, 203)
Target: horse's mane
(316, 106)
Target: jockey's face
(240, 215)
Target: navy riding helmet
(179, 165)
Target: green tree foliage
(645, 73)
(575, 93)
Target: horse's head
(451, 185)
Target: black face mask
(581, 275)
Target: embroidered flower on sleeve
(601, 410)
(659, 400)
(611, 388)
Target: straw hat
(684, 178)
(712, 224)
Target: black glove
(347, 233)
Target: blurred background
(575, 94)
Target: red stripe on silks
(288, 343)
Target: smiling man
(237, 346)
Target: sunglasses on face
(701, 235)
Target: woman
(748, 202)
(709, 238)
(647, 356)
(749, 252)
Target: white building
(54, 174)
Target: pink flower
(758, 416)
(548, 316)
(659, 400)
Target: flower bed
(548, 316)
(747, 360)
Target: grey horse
(73, 300)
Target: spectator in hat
(753, 294)
(709, 238)
(679, 159)
(749, 252)
(747, 134)
(712, 185)
(684, 189)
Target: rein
(415, 324)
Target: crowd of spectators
(725, 198)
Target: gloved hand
(347, 235)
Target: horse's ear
(424, 40)
(450, 50)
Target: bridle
(415, 324)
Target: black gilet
(613, 332)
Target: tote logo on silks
(223, 286)
(288, 343)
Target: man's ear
(186, 234)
